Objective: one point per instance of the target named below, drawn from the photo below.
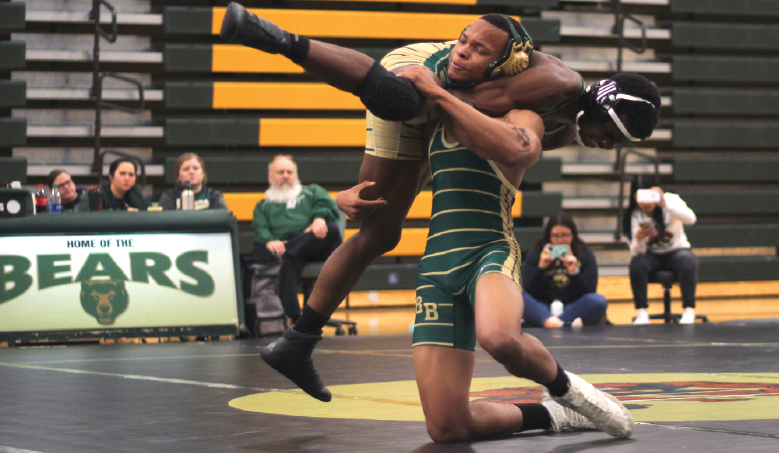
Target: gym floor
(698, 388)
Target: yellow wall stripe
(412, 241)
(361, 24)
(312, 132)
(516, 210)
(242, 204)
(438, 2)
(233, 58)
(422, 207)
(283, 96)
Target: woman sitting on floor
(559, 267)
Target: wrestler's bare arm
(546, 84)
(512, 141)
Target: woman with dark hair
(71, 196)
(120, 193)
(190, 168)
(559, 267)
(657, 242)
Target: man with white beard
(295, 223)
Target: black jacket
(75, 205)
(133, 198)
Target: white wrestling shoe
(642, 317)
(603, 410)
(688, 316)
(563, 418)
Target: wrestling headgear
(515, 58)
(607, 95)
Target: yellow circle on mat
(658, 397)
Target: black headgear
(607, 95)
(515, 58)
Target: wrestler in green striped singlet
(471, 234)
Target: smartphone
(558, 251)
(647, 196)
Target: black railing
(621, 161)
(97, 84)
(619, 30)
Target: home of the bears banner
(69, 282)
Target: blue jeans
(590, 307)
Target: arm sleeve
(636, 247)
(261, 227)
(534, 280)
(217, 200)
(679, 209)
(168, 200)
(83, 204)
(586, 281)
(136, 199)
(324, 206)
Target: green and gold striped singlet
(472, 203)
(471, 234)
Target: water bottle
(557, 308)
(41, 200)
(187, 197)
(55, 200)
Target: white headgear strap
(616, 119)
(579, 137)
(606, 96)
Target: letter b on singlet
(429, 308)
(431, 311)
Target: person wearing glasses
(70, 194)
(559, 267)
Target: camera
(647, 196)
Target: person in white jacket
(658, 242)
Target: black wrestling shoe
(241, 26)
(290, 355)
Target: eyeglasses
(69, 181)
(561, 235)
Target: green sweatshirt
(281, 221)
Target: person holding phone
(654, 225)
(559, 267)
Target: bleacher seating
(714, 61)
(412, 243)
